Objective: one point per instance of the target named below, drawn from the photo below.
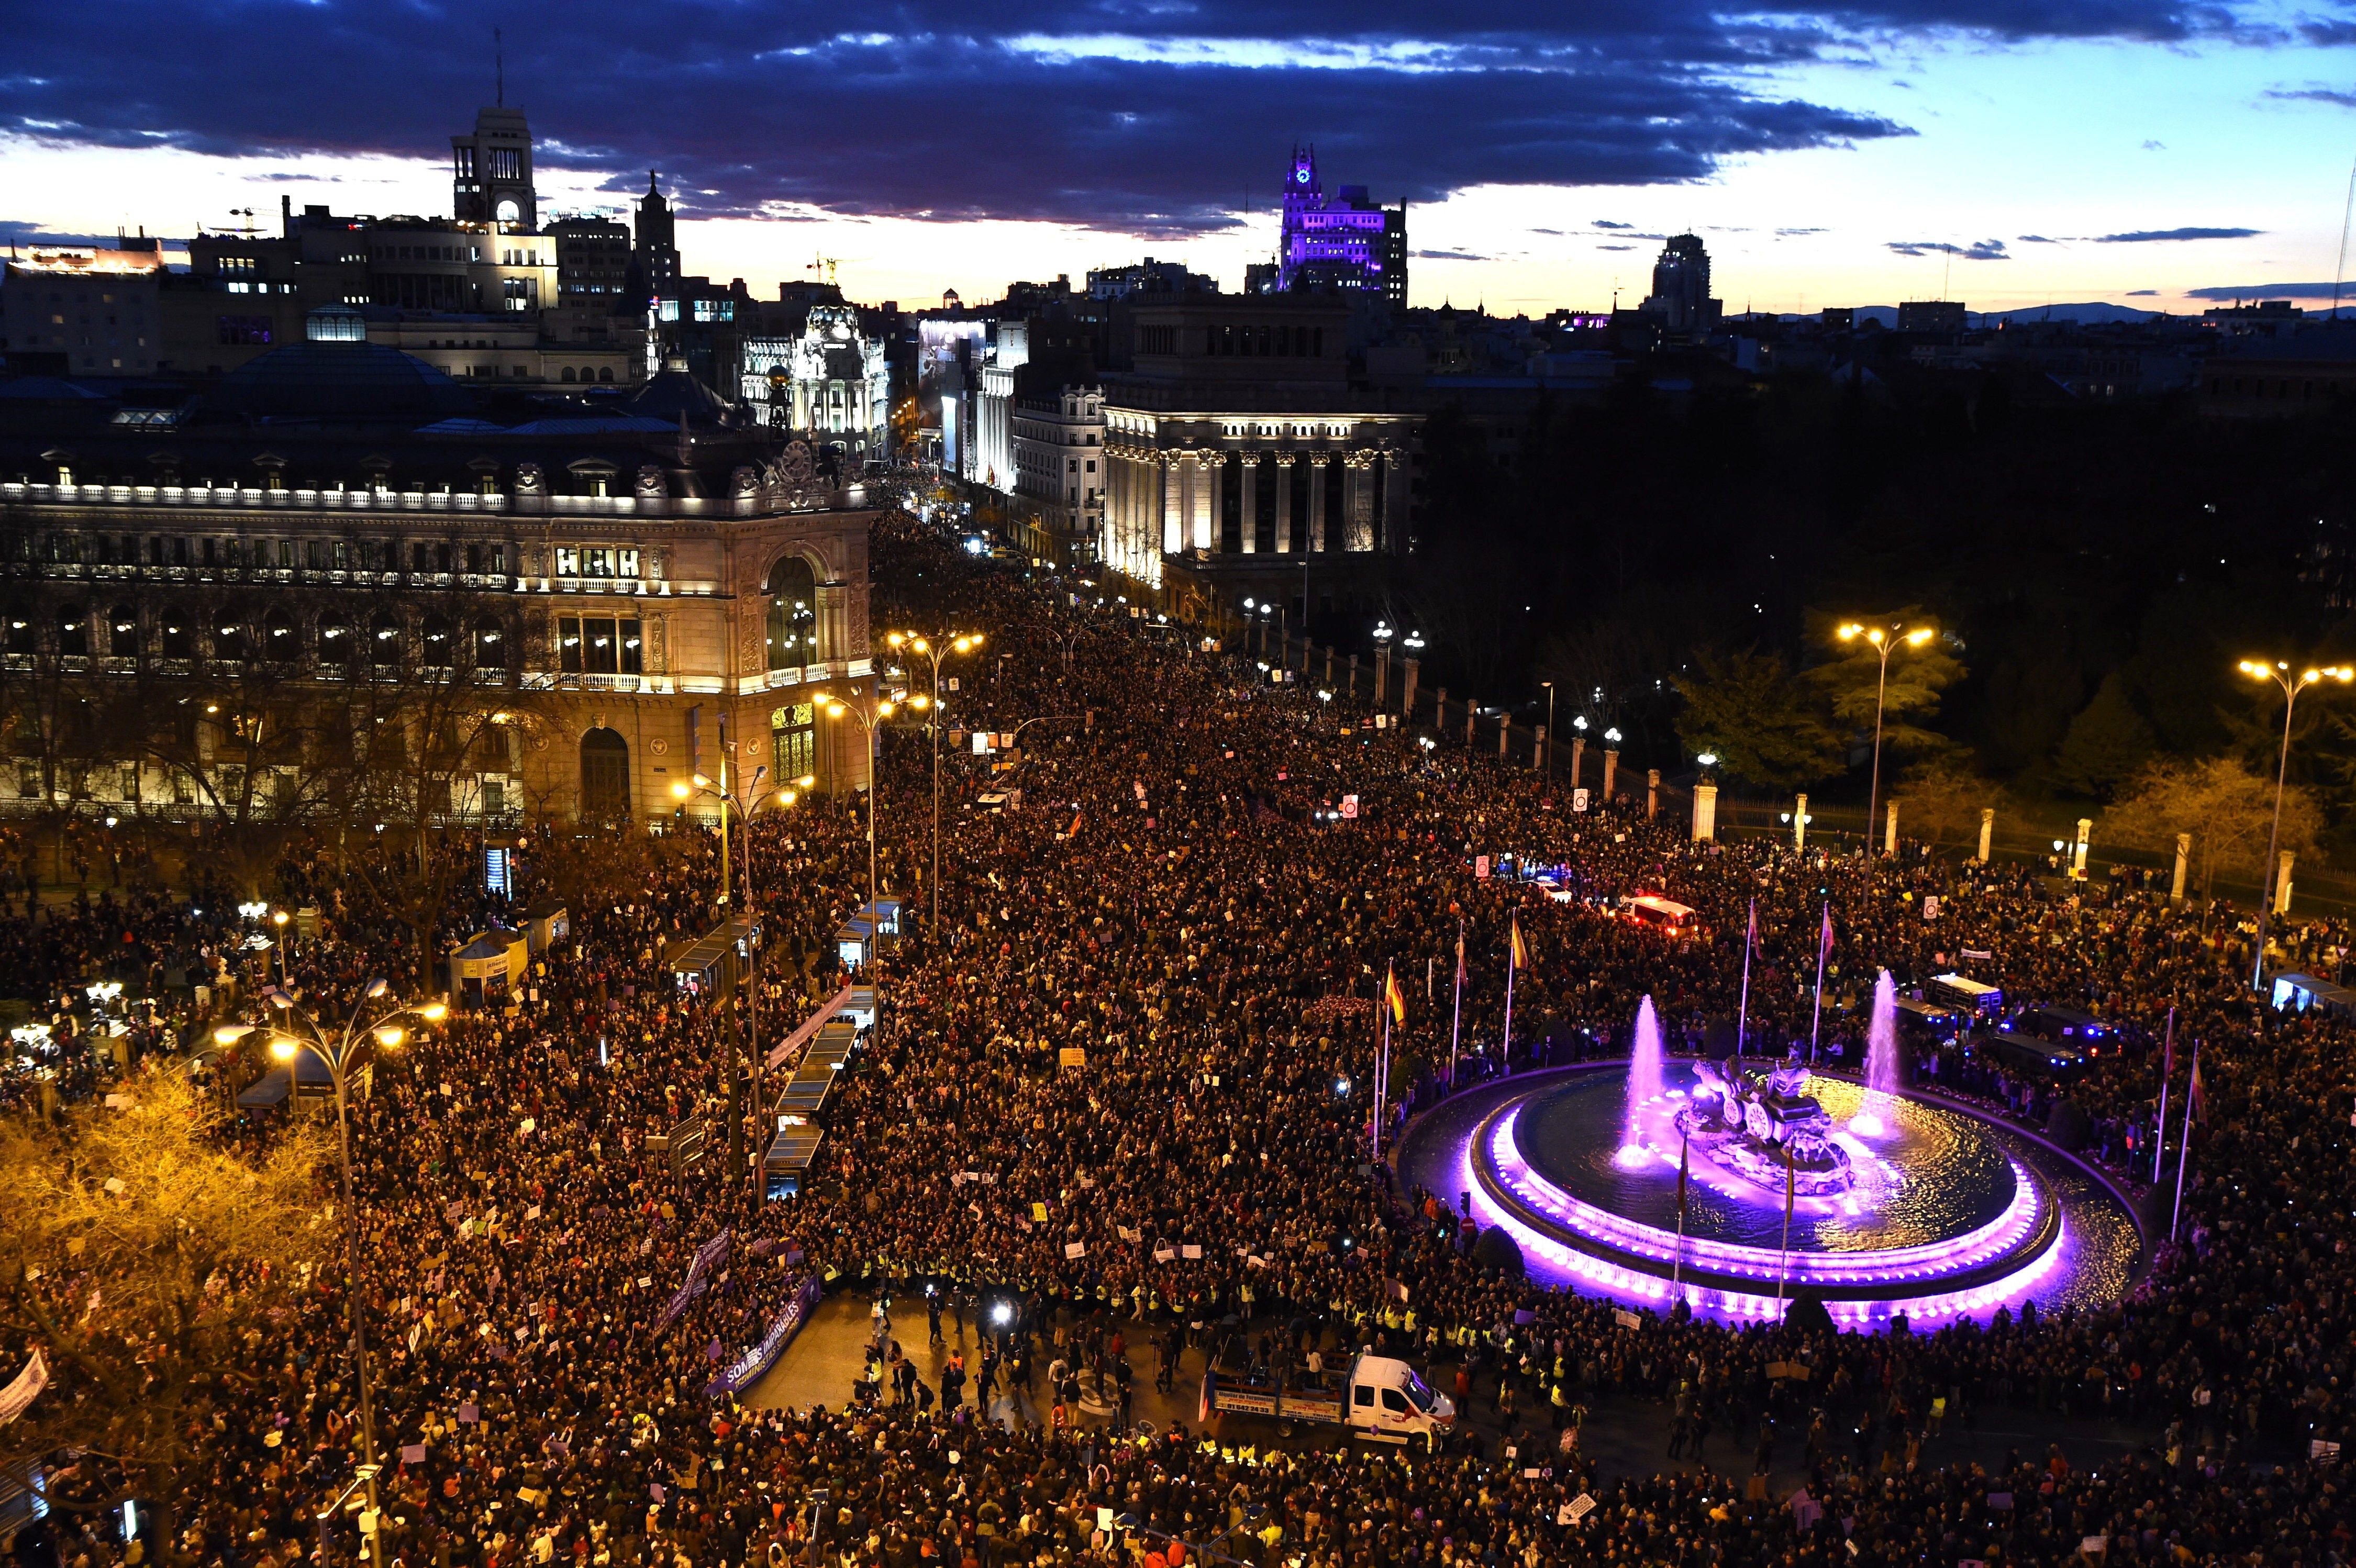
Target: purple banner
(758, 1358)
(711, 1252)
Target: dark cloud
(921, 107)
(2036, 239)
(1979, 251)
(2317, 94)
(1451, 256)
(2322, 291)
(1607, 223)
(2147, 236)
(1615, 247)
(2141, 293)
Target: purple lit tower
(1344, 241)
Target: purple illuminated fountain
(1882, 1073)
(1644, 1088)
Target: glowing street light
(933, 650)
(1885, 640)
(2279, 673)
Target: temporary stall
(484, 970)
(697, 966)
(546, 925)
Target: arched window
(604, 372)
(436, 643)
(605, 777)
(792, 591)
(490, 645)
(179, 637)
(337, 645)
(73, 631)
(122, 631)
(384, 642)
(281, 641)
(229, 640)
(20, 635)
(568, 372)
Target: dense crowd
(1180, 896)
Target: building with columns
(832, 381)
(1237, 453)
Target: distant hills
(2087, 312)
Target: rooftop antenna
(2341, 270)
(499, 63)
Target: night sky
(2002, 150)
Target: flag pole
(1783, 1257)
(2184, 1147)
(1817, 1024)
(1677, 1269)
(1512, 941)
(1742, 1019)
(2167, 1066)
(1456, 1023)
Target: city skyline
(2002, 155)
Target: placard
(1627, 1319)
(1578, 799)
(1349, 808)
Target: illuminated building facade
(84, 310)
(831, 382)
(1236, 451)
(1344, 241)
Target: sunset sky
(2007, 153)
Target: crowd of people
(1180, 899)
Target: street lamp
(279, 919)
(1549, 733)
(871, 719)
(1885, 641)
(2279, 673)
(339, 1055)
(744, 809)
(933, 650)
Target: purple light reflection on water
(1987, 1244)
(1554, 1262)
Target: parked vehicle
(1379, 1399)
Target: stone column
(1201, 501)
(1407, 691)
(1472, 716)
(1173, 509)
(1705, 817)
(1329, 665)
(1284, 461)
(1316, 522)
(2183, 859)
(2078, 855)
(1505, 733)
(1611, 769)
(1247, 499)
(1382, 673)
(1578, 756)
(1890, 830)
(1800, 823)
(1652, 793)
(1353, 677)
(1539, 750)
(2282, 884)
(1988, 833)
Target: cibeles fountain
(1797, 1183)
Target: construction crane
(825, 264)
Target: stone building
(1237, 453)
(830, 382)
(613, 592)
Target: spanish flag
(1521, 949)
(1392, 995)
(2197, 1104)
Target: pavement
(1625, 1435)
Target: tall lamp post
(340, 1055)
(745, 808)
(2279, 673)
(932, 649)
(871, 719)
(1549, 733)
(1885, 641)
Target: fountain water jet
(1881, 1061)
(1643, 1086)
